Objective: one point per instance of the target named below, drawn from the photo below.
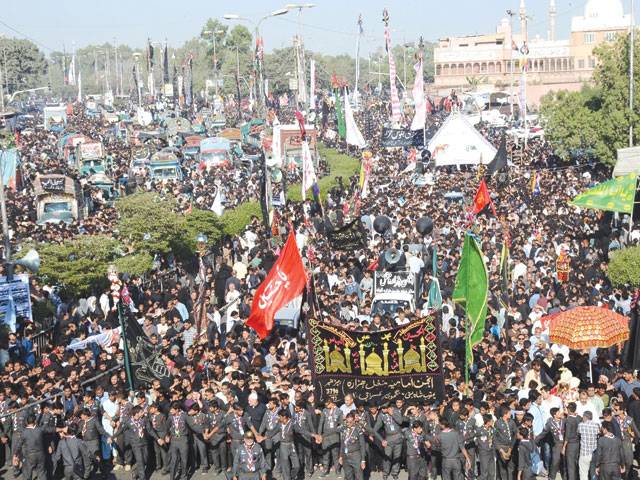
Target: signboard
(384, 366)
(168, 90)
(293, 84)
(91, 150)
(399, 137)
(15, 301)
(394, 282)
(52, 184)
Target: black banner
(402, 363)
(399, 137)
(145, 362)
(351, 236)
(394, 282)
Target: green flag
(342, 125)
(614, 195)
(471, 291)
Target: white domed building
(552, 64)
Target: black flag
(264, 192)
(165, 64)
(632, 349)
(149, 56)
(500, 160)
(144, 361)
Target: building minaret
(552, 20)
(523, 21)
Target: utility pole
(238, 83)
(631, 72)
(115, 46)
(95, 68)
(1, 93)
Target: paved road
(122, 475)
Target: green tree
(23, 64)
(624, 267)
(572, 121)
(201, 221)
(80, 265)
(148, 222)
(597, 117)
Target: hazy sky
(329, 27)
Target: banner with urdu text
(402, 363)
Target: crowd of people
(246, 407)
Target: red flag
(300, 118)
(482, 199)
(285, 281)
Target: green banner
(342, 125)
(614, 195)
(471, 291)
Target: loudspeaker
(31, 261)
(392, 256)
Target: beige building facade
(494, 61)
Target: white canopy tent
(459, 143)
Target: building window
(589, 37)
(611, 36)
(592, 62)
(580, 64)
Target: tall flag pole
(419, 101)
(360, 32)
(395, 101)
(471, 292)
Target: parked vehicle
(57, 199)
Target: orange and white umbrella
(587, 327)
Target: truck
(216, 152)
(57, 199)
(165, 166)
(393, 291)
(104, 183)
(55, 118)
(191, 147)
(90, 158)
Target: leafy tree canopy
(597, 117)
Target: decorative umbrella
(587, 327)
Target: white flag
(308, 172)
(276, 146)
(217, 207)
(72, 71)
(354, 137)
(80, 87)
(419, 118)
(312, 85)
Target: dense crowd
(247, 407)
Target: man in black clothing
(31, 448)
(609, 454)
(74, 454)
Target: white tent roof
(459, 143)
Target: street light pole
(258, 63)
(511, 14)
(631, 73)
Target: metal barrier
(53, 397)
(44, 336)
